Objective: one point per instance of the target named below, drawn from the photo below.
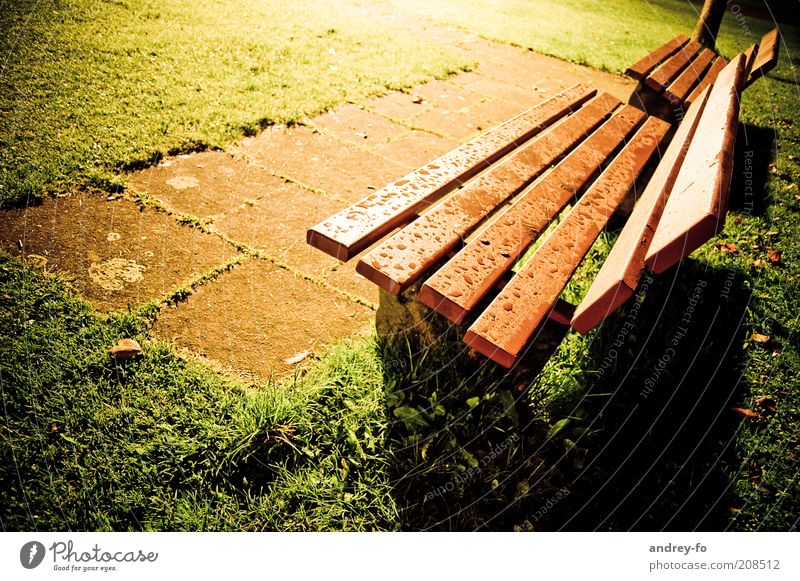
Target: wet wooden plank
(403, 258)
(696, 208)
(681, 87)
(620, 274)
(717, 66)
(666, 72)
(353, 229)
(504, 328)
(456, 288)
(640, 69)
(767, 57)
(749, 58)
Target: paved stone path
(230, 226)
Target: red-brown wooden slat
(696, 208)
(663, 75)
(507, 324)
(749, 59)
(680, 88)
(400, 260)
(717, 66)
(456, 288)
(642, 67)
(620, 274)
(767, 56)
(353, 229)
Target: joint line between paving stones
(405, 124)
(145, 199)
(355, 144)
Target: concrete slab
(256, 316)
(321, 161)
(277, 222)
(204, 184)
(116, 254)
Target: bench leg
(409, 330)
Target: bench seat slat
(645, 65)
(660, 78)
(681, 87)
(620, 274)
(767, 56)
(456, 288)
(400, 260)
(507, 324)
(353, 229)
(696, 208)
(716, 67)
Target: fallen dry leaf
(418, 100)
(767, 403)
(297, 357)
(746, 414)
(758, 484)
(773, 256)
(727, 247)
(759, 338)
(758, 263)
(125, 349)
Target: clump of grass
(90, 89)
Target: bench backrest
(679, 70)
(696, 208)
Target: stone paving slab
(117, 254)
(345, 278)
(355, 124)
(320, 161)
(452, 123)
(415, 149)
(446, 94)
(204, 184)
(255, 316)
(277, 222)
(404, 107)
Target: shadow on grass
(613, 431)
(754, 153)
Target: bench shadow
(644, 444)
(663, 442)
(753, 155)
(457, 420)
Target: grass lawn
(379, 436)
(88, 89)
(604, 35)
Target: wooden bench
(680, 69)
(500, 191)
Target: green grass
(157, 443)
(88, 89)
(605, 35)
